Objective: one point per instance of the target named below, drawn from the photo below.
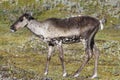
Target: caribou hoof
(65, 74)
(94, 76)
(45, 73)
(76, 75)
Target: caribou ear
(29, 16)
(31, 13)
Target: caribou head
(21, 22)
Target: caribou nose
(12, 29)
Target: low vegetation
(23, 56)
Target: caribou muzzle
(12, 29)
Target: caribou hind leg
(61, 56)
(96, 56)
(90, 49)
(89, 53)
(50, 51)
(88, 43)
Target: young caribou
(56, 32)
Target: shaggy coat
(56, 32)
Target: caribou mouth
(12, 30)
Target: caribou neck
(36, 28)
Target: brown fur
(80, 21)
(56, 32)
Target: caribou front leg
(61, 56)
(50, 51)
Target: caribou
(56, 32)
